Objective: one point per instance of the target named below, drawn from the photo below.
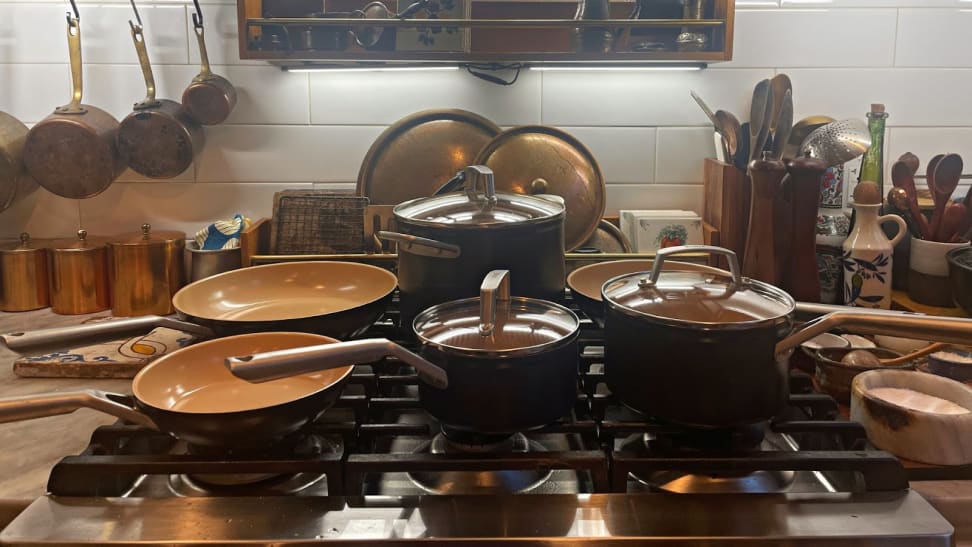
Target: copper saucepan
(15, 182)
(193, 396)
(336, 299)
(158, 139)
(72, 152)
(210, 98)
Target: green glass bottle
(872, 167)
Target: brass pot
(79, 275)
(144, 270)
(23, 275)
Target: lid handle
(663, 254)
(495, 289)
(474, 174)
(82, 235)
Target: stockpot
(711, 349)
(511, 362)
(449, 242)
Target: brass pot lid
(538, 159)
(23, 245)
(82, 242)
(148, 237)
(421, 152)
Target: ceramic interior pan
(333, 298)
(538, 159)
(421, 152)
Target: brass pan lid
(24, 245)
(80, 243)
(538, 159)
(147, 237)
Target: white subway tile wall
(298, 130)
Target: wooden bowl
(835, 378)
(925, 436)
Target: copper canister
(144, 270)
(23, 275)
(79, 275)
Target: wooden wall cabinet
(293, 32)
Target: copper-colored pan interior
(587, 280)
(196, 380)
(290, 290)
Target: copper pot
(79, 275)
(144, 270)
(23, 275)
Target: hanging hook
(135, 9)
(77, 16)
(197, 20)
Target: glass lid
(478, 204)
(495, 322)
(697, 297)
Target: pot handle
(663, 254)
(15, 409)
(954, 330)
(495, 289)
(422, 245)
(271, 365)
(61, 335)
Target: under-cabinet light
(367, 68)
(590, 68)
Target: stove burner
(730, 440)
(677, 482)
(480, 482)
(242, 484)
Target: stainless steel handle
(62, 335)
(663, 254)
(422, 245)
(271, 365)
(28, 407)
(495, 289)
(953, 330)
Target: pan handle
(74, 48)
(205, 72)
(271, 365)
(422, 245)
(954, 330)
(143, 60)
(62, 335)
(15, 409)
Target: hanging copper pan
(158, 139)
(72, 152)
(210, 98)
(15, 182)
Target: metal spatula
(837, 142)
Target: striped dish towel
(222, 234)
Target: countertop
(32, 447)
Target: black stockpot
(449, 242)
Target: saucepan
(337, 299)
(190, 394)
(710, 350)
(511, 361)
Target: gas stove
(377, 468)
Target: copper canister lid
(23, 275)
(144, 270)
(147, 237)
(79, 275)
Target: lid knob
(495, 289)
(146, 230)
(538, 186)
(24, 238)
(82, 235)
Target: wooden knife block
(726, 192)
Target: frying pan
(72, 152)
(585, 282)
(191, 395)
(158, 139)
(337, 299)
(15, 183)
(210, 98)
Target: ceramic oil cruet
(868, 252)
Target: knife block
(726, 193)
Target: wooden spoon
(903, 177)
(900, 204)
(952, 220)
(911, 161)
(865, 358)
(946, 179)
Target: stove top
(377, 467)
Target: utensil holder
(726, 190)
(928, 281)
(202, 263)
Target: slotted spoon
(837, 142)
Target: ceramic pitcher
(867, 258)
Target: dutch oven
(511, 362)
(707, 349)
(449, 242)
